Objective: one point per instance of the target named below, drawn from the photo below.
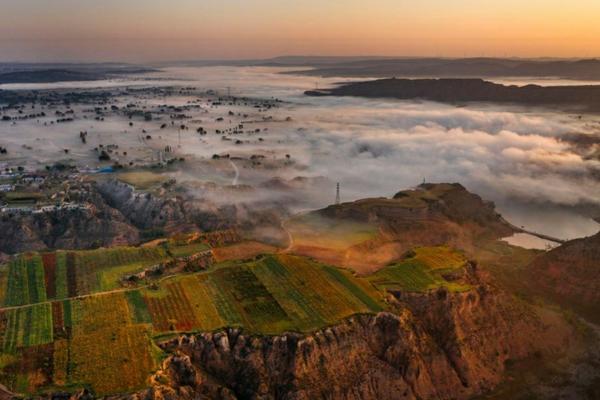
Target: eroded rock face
(98, 225)
(143, 210)
(188, 211)
(439, 345)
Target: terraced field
(112, 353)
(105, 340)
(35, 278)
(272, 295)
(25, 283)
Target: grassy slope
(422, 272)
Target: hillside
(65, 72)
(570, 274)
(478, 67)
(368, 234)
(48, 76)
(213, 315)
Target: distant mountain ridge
(48, 73)
(48, 76)
(583, 69)
(469, 90)
(415, 67)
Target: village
(25, 193)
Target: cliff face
(146, 210)
(116, 214)
(570, 274)
(98, 225)
(143, 209)
(438, 345)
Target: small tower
(337, 193)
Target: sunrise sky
(155, 30)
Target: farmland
(242, 251)
(426, 269)
(112, 353)
(34, 278)
(271, 295)
(142, 180)
(105, 339)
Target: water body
(528, 241)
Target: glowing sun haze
(153, 30)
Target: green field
(142, 180)
(35, 278)
(28, 326)
(425, 270)
(188, 249)
(25, 283)
(105, 340)
(272, 295)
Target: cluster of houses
(47, 209)
(6, 187)
(41, 179)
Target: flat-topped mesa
(469, 90)
(439, 344)
(447, 205)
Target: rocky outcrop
(430, 215)
(438, 345)
(144, 210)
(98, 225)
(189, 211)
(570, 274)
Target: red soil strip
(71, 275)
(58, 321)
(159, 321)
(49, 260)
(175, 306)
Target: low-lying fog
(376, 147)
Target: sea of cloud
(375, 147)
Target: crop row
(268, 296)
(91, 341)
(423, 271)
(34, 278)
(25, 282)
(28, 326)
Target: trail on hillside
(237, 174)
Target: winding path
(287, 231)
(237, 174)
